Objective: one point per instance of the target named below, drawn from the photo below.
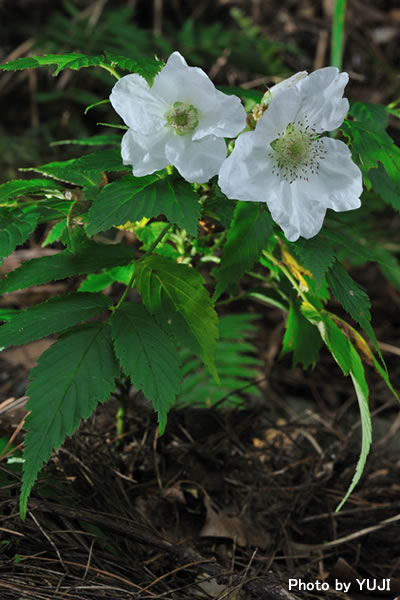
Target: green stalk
(339, 15)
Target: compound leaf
(15, 229)
(247, 236)
(146, 68)
(70, 379)
(316, 255)
(57, 314)
(92, 257)
(175, 293)
(87, 170)
(301, 338)
(21, 187)
(362, 392)
(132, 198)
(148, 356)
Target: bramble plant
(268, 205)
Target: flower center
(296, 152)
(183, 118)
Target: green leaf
(301, 338)
(72, 60)
(218, 207)
(23, 187)
(70, 379)
(248, 234)
(15, 229)
(317, 255)
(65, 264)
(361, 388)
(335, 340)
(237, 366)
(176, 295)
(86, 170)
(349, 361)
(146, 68)
(95, 282)
(55, 233)
(148, 235)
(132, 198)
(372, 145)
(353, 299)
(148, 356)
(57, 314)
(385, 187)
(93, 140)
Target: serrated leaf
(362, 392)
(316, 254)
(177, 296)
(15, 229)
(334, 338)
(93, 140)
(370, 143)
(95, 282)
(301, 338)
(81, 61)
(149, 233)
(132, 198)
(55, 233)
(385, 187)
(353, 299)
(54, 315)
(33, 62)
(65, 264)
(148, 356)
(23, 187)
(146, 68)
(247, 236)
(219, 207)
(349, 361)
(84, 171)
(71, 378)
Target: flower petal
(338, 183)
(284, 85)
(294, 211)
(283, 110)
(177, 82)
(224, 117)
(137, 104)
(196, 161)
(247, 172)
(322, 98)
(146, 153)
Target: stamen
(296, 152)
(183, 118)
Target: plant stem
(111, 70)
(339, 15)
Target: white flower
(180, 120)
(286, 163)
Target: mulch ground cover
(228, 503)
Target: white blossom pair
(182, 120)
